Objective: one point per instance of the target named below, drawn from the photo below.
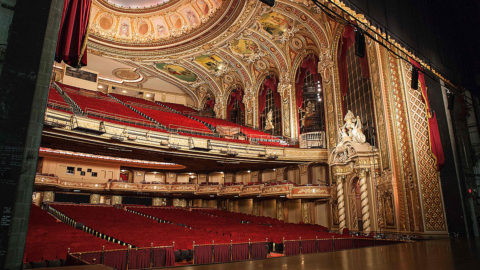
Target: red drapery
(235, 95)
(343, 244)
(435, 141)
(259, 251)
(116, 259)
(309, 63)
(348, 39)
(239, 252)
(309, 246)
(72, 36)
(163, 257)
(139, 258)
(291, 248)
(222, 253)
(268, 83)
(210, 103)
(202, 254)
(325, 245)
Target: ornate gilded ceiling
(234, 44)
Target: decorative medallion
(126, 74)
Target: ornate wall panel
(380, 125)
(429, 179)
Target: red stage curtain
(291, 248)
(309, 246)
(239, 252)
(259, 251)
(72, 36)
(202, 254)
(139, 259)
(116, 259)
(348, 39)
(435, 140)
(222, 253)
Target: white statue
(351, 130)
(269, 121)
(357, 132)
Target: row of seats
(100, 106)
(49, 239)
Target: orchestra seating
(49, 238)
(174, 120)
(185, 225)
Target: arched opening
(309, 96)
(208, 107)
(269, 106)
(356, 90)
(235, 107)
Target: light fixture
(147, 95)
(100, 86)
(124, 91)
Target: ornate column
(341, 203)
(249, 102)
(220, 109)
(364, 200)
(285, 89)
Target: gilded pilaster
(341, 203)
(365, 206)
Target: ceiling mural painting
(177, 71)
(253, 40)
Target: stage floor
(424, 255)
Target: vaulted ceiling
(205, 47)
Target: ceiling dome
(138, 4)
(149, 24)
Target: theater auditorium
(246, 134)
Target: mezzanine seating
(56, 101)
(179, 108)
(49, 239)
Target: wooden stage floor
(423, 255)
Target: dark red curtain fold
(73, 33)
(210, 104)
(435, 140)
(239, 252)
(325, 245)
(116, 259)
(203, 254)
(169, 256)
(222, 253)
(259, 251)
(343, 244)
(235, 96)
(309, 64)
(309, 246)
(139, 259)
(348, 39)
(291, 248)
(159, 257)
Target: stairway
(139, 112)
(75, 108)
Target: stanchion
(300, 244)
(213, 251)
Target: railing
(304, 246)
(115, 117)
(315, 139)
(229, 252)
(122, 259)
(59, 106)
